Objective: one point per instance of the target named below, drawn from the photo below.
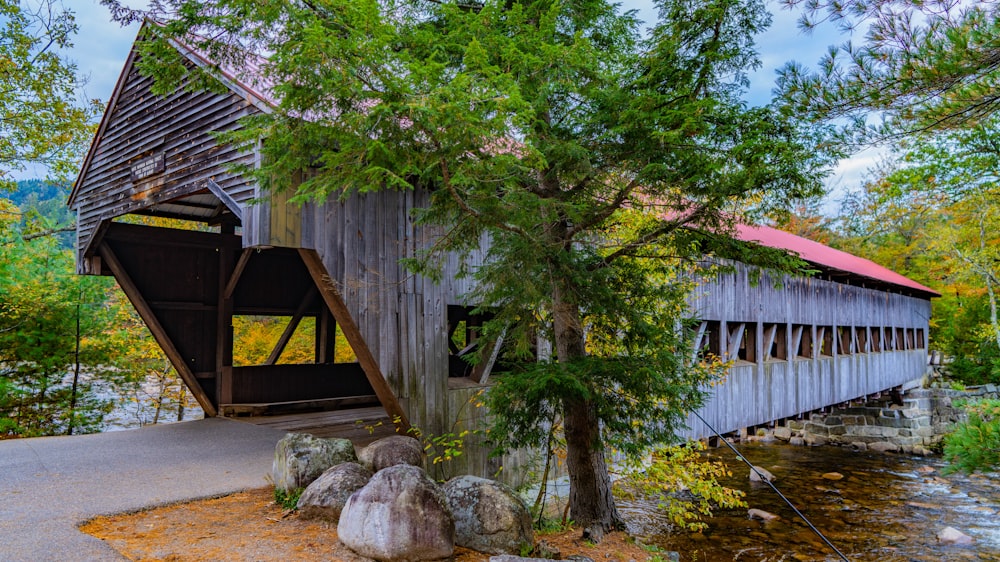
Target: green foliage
(41, 119)
(45, 311)
(601, 163)
(933, 215)
(922, 65)
(442, 449)
(685, 485)
(288, 499)
(975, 444)
(47, 387)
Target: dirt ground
(250, 526)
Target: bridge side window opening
(892, 341)
(708, 340)
(286, 340)
(920, 342)
(465, 330)
(876, 339)
(802, 341)
(742, 341)
(824, 341)
(861, 339)
(900, 340)
(845, 340)
(909, 338)
(775, 342)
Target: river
(886, 508)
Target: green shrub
(685, 485)
(288, 499)
(975, 444)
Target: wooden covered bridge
(851, 330)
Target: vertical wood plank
(331, 296)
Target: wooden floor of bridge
(360, 425)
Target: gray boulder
(300, 458)
(326, 496)
(392, 450)
(489, 516)
(401, 515)
(761, 514)
(951, 535)
(760, 474)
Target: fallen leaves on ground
(250, 526)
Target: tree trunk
(993, 312)
(591, 503)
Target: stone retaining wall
(917, 426)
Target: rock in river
(951, 535)
(761, 514)
(758, 474)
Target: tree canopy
(921, 66)
(41, 119)
(602, 165)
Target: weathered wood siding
(809, 301)
(402, 316)
(767, 389)
(139, 125)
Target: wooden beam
(481, 373)
(326, 337)
(153, 323)
(796, 341)
(699, 336)
(735, 339)
(769, 334)
(226, 199)
(223, 326)
(290, 328)
(234, 279)
(331, 296)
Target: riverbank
(909, 421)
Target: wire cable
(773, 487)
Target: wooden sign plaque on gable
(147, 167)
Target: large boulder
(401, 515)
(489, 516)
(300, 458)
(326, 496)
(392, 450)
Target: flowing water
(887, 507)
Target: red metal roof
(829, 258)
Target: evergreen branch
(665, 228)
(49, 232)
(602, 214)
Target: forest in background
(73, 349)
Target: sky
(102, 46)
